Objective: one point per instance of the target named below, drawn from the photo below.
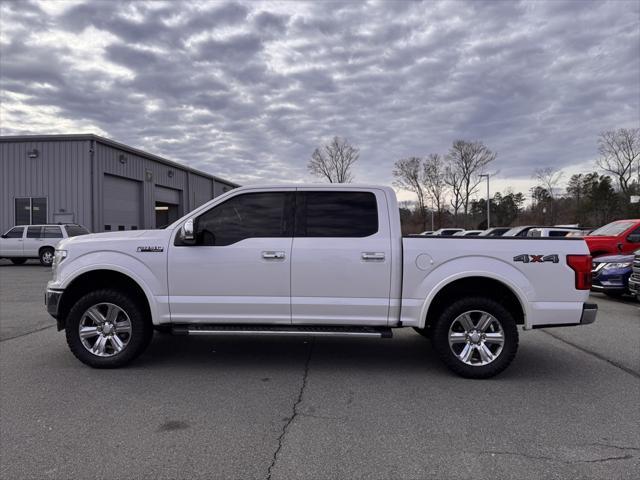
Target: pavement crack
(594, 354)
(294, 414)
(27, 333)
(554, 459)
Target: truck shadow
(406, 354)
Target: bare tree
(434, 182)
(409, 175)
(469, 160)
(620, 155)
(453, 179)
(548, 178)
(333, 162)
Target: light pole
(488, 200)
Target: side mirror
(3, 236)
(634, 238)
(187, 232)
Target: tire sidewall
(141, 329)
(42, 252)
(440, 337)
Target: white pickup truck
(314, 260)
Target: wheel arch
(474, 285)
(101, 278)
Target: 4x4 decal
(528, 258)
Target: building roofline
(111, 143)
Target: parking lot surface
(315, 408)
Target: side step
(284, 330)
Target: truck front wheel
(107, 329)
(476, 337)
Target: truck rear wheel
(107, 329)
(476, 337)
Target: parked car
(614, 238)
(239, 264)
(468, 233)
(610, 274)
(447, 232)
(550, 231)
(519, 231)
(36, 241)
(495, 232)
(427, 232)
(634, 279)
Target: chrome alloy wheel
(476, 338)
(105, 329)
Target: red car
(614, 238)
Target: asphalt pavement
(280, 408)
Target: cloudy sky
(247, 90)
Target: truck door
(341, 258)
(239, 271)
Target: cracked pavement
(280, 408)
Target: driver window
(252, 215)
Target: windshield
(612, 229)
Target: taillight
(581, 265)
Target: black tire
(140, 336)
(425, 332)
(18, 261)
(46, 256)
(440, 337)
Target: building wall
(71, 173)
(61, 173)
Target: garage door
(122, 201)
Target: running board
(283, 330)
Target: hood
(614, 259)
(107, 237)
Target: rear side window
(52, 232)
(336, 214)
(557, 233)
(15, 232)
(34, 232)
(252, 215)
(75, 230)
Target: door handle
(273, 255)
(372, 256)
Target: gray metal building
(96, 182)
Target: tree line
(446, 186)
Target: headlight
(59, 257)
(615, 266)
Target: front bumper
(52, 301)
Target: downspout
(92, 149)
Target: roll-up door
(122, 203)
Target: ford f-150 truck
(314, 260)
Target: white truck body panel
(324, 281)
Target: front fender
(150, 277)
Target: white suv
(36, 241)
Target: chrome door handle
(373, 256)
(273, 255)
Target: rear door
(33, 241)
(341, 258)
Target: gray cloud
(248, 90)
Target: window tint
(75, 230)
(251, 215)
(336, 214)
(15, 232)
(557, 233)
(34, 232)
(52, 232)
